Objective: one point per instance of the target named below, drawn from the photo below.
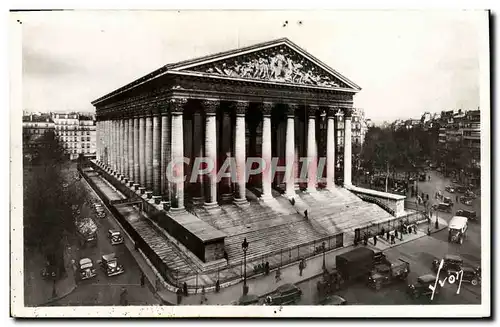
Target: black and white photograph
(250, 163)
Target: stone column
(266, 151)
(225, 184)
(131, 149)
(115, 145)
(142, 156)
(119, 156)
(148, 148)
(137, 174)
(347, 146)
(156, 157)
(239, 151)
(290, 151)
(330, 150)
(210, 108)
(197, 137)
(177, 144)
(165, 155)
(125, 148)
(298, 140)
(312, 149)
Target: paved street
(419, 253)
(103, 290)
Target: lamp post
(324, 262)
(244, 246)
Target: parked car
(109, 264)
(284, 294)
(448, 200)
(466, 200)
(101, 215)
(470, 194)
(449, 189)
(49, 272)
(445, 207)
(466, 213)
(86, 268)
(451, 263)
(115, 237)
(471, 275)
(249, 299)
(388, 272)
(333, 300)
(461, 189)
(421, 287)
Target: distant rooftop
(38, 118)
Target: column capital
(266, 108)
(210, 106)
(176, 105)
(312, 110)
(331, 111)
(240, 107)
(347, 113)
(291, 108)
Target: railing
(377, 202)
(392, 225)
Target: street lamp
(244, 246)
(324, 263)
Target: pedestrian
(179, 296)
(374, 239)
(217, 286)
(382, 232)
(388, 236)
(123, 297)
(278, 274)
(305, 214)
(392, 239)
(395, 233)
(365, 239)
(292, 201)
(267, 268)
(428, 231)
(456, 198)
(185, 289)
(142, 279)
(427, 197)
(203, 297)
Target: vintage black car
(115, 237)
(445, 207)
(49, 272)
(448, 200)
(466, 200)
(421, 287)
(466, 213)
(449, 189)
(333, 300)
(86, 268)
(248, 299)
(471, 275)
(451, 263)
(110, 265)
(461, 189)
(284, 294)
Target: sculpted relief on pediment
(279, 64)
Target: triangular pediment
(278, 61)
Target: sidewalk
(38, 291)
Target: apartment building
(76, 132)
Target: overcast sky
(406, 62)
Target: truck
(355, 264)
(87, 230)
(386, 271)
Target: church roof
(277, 61)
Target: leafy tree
(47, 204)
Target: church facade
(270, 100)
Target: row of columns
(141, 148)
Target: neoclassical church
(269, 100)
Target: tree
(47, 204)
